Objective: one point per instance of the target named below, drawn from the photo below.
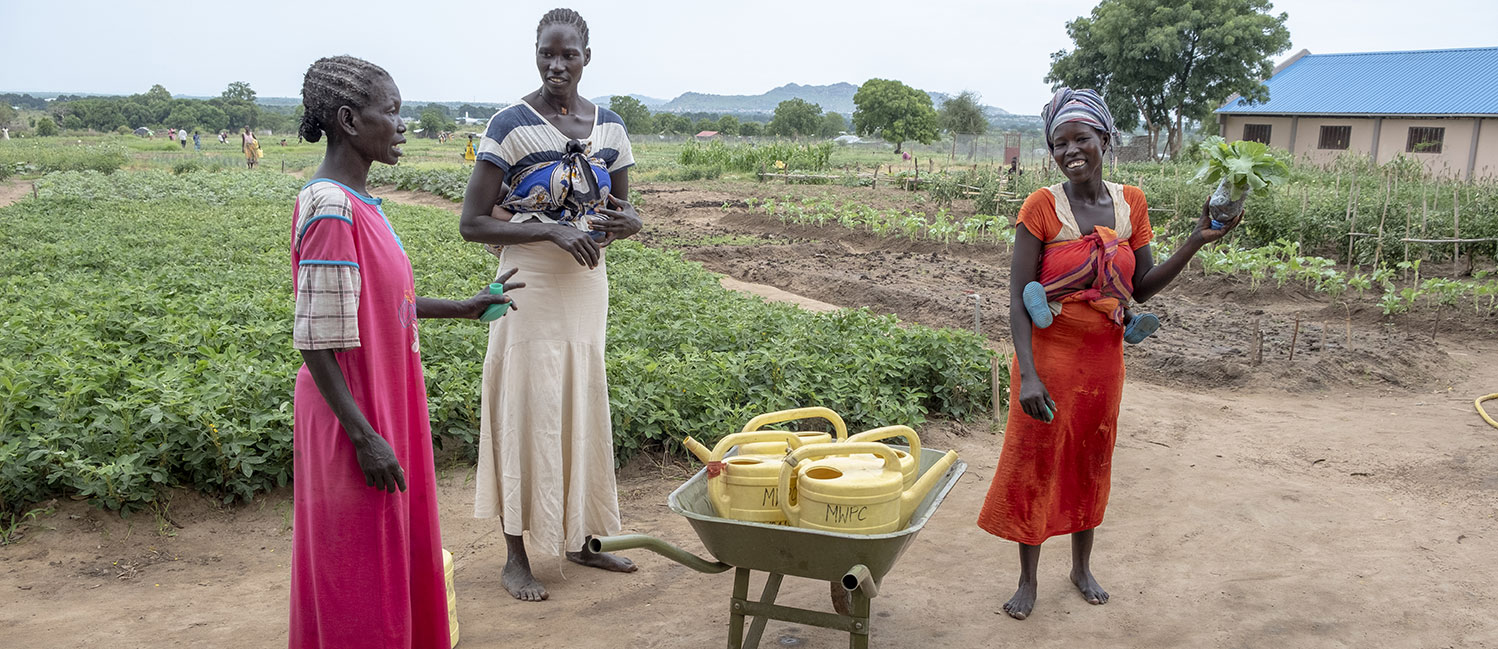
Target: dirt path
(1359, 513)
(14, 190)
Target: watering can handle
(811, 412)
(751, 437)
(881, 434)
(793, 512)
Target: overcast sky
(440, 50)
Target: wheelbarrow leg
(736, 611)
(757, 627)
(859, 639)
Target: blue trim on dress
(367, 199)
(326, 262)
(320, 217)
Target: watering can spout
(698, 450)
(917, 492)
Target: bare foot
(1091, 591)
(1019, 606)
(601, 560)
(518, 580)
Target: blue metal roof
(1423, 82)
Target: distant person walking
(182, 137)
(6, 131)
(223, 137)
(250, 146)
(171, 134)
(197, 142)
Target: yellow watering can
(745, 487)
(910, 463)
(778, 449)
(833, 499)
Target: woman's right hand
(377, 460)
(1036, 401)
(582, 247)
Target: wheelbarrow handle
(663, 548)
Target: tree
(46, 127)
(634, 113)
(728, 125)
(71, 122)
(895, 112)
(833, 124)
(6, 113)
(433, 121)
(671, 124)
(751, 129)
(239, 90)
(796, 117)
(1169, 61)
(961, 115)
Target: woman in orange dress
(1087, 242)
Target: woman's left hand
(623, 222)
(1206, 232)
(474, 307)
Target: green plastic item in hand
(495, 310)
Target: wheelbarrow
(857, 562)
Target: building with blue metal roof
(1439, 107)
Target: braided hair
(564, 17)
(332, 83)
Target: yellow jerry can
(746, 487)
(910, 463)
(778, 449)
(864, 501)
(452, 597)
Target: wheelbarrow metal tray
(814, 554)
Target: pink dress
(366, 565)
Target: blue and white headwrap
(1085, 106)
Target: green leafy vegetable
(1247, 166)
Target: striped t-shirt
(519, 137)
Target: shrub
(45, 127)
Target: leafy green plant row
(28, 158)
(1282, 263)
(446, 181)
(754, 157)
(1316, 208)
(941, 227)
(147, 343)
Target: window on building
(1425, 139)
(1256, 133)
(1335, 137)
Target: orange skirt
(1053, 479)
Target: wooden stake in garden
(1456, 230)
(1293, 337)
(997, 394)
(1352, 217)
(1258, 343)
(1378, 250)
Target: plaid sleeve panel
(327, 306)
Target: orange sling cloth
(1053, 479)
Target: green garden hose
(1478, 404)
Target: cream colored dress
(546, 453)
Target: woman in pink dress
(366, 567)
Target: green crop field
(147, 342)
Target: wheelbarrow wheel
(842, 599)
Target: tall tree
(796, 117)
(962, 114)
(634, 113)
(728, 125)
(1164, 62)
(833, 124)
(895, 112)
(239, 90)
(434, 121)
(751, 129)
